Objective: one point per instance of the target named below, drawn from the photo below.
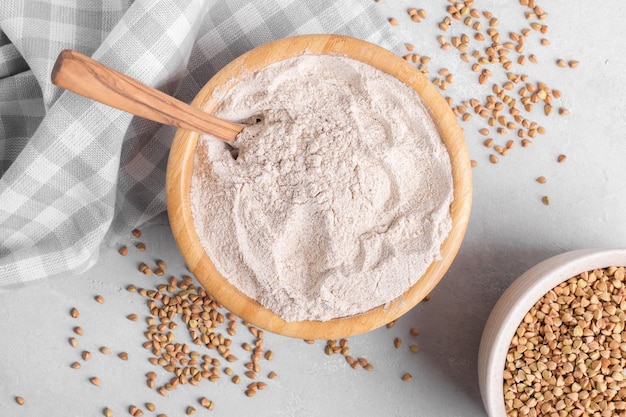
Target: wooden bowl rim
(180, 168)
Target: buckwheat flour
(336, 200)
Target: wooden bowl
(181, 164)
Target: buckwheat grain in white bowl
(554, 344)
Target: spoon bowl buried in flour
(92, 79)
(342, 209)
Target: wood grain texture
(89, 78)
(180, 168)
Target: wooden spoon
(89, 78)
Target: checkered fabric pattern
(76, 175)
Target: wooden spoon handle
(89, 78)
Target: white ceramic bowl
(513, 305)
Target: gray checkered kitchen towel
(76, 175)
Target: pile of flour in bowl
(335, 201)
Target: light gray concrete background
(510, 230)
